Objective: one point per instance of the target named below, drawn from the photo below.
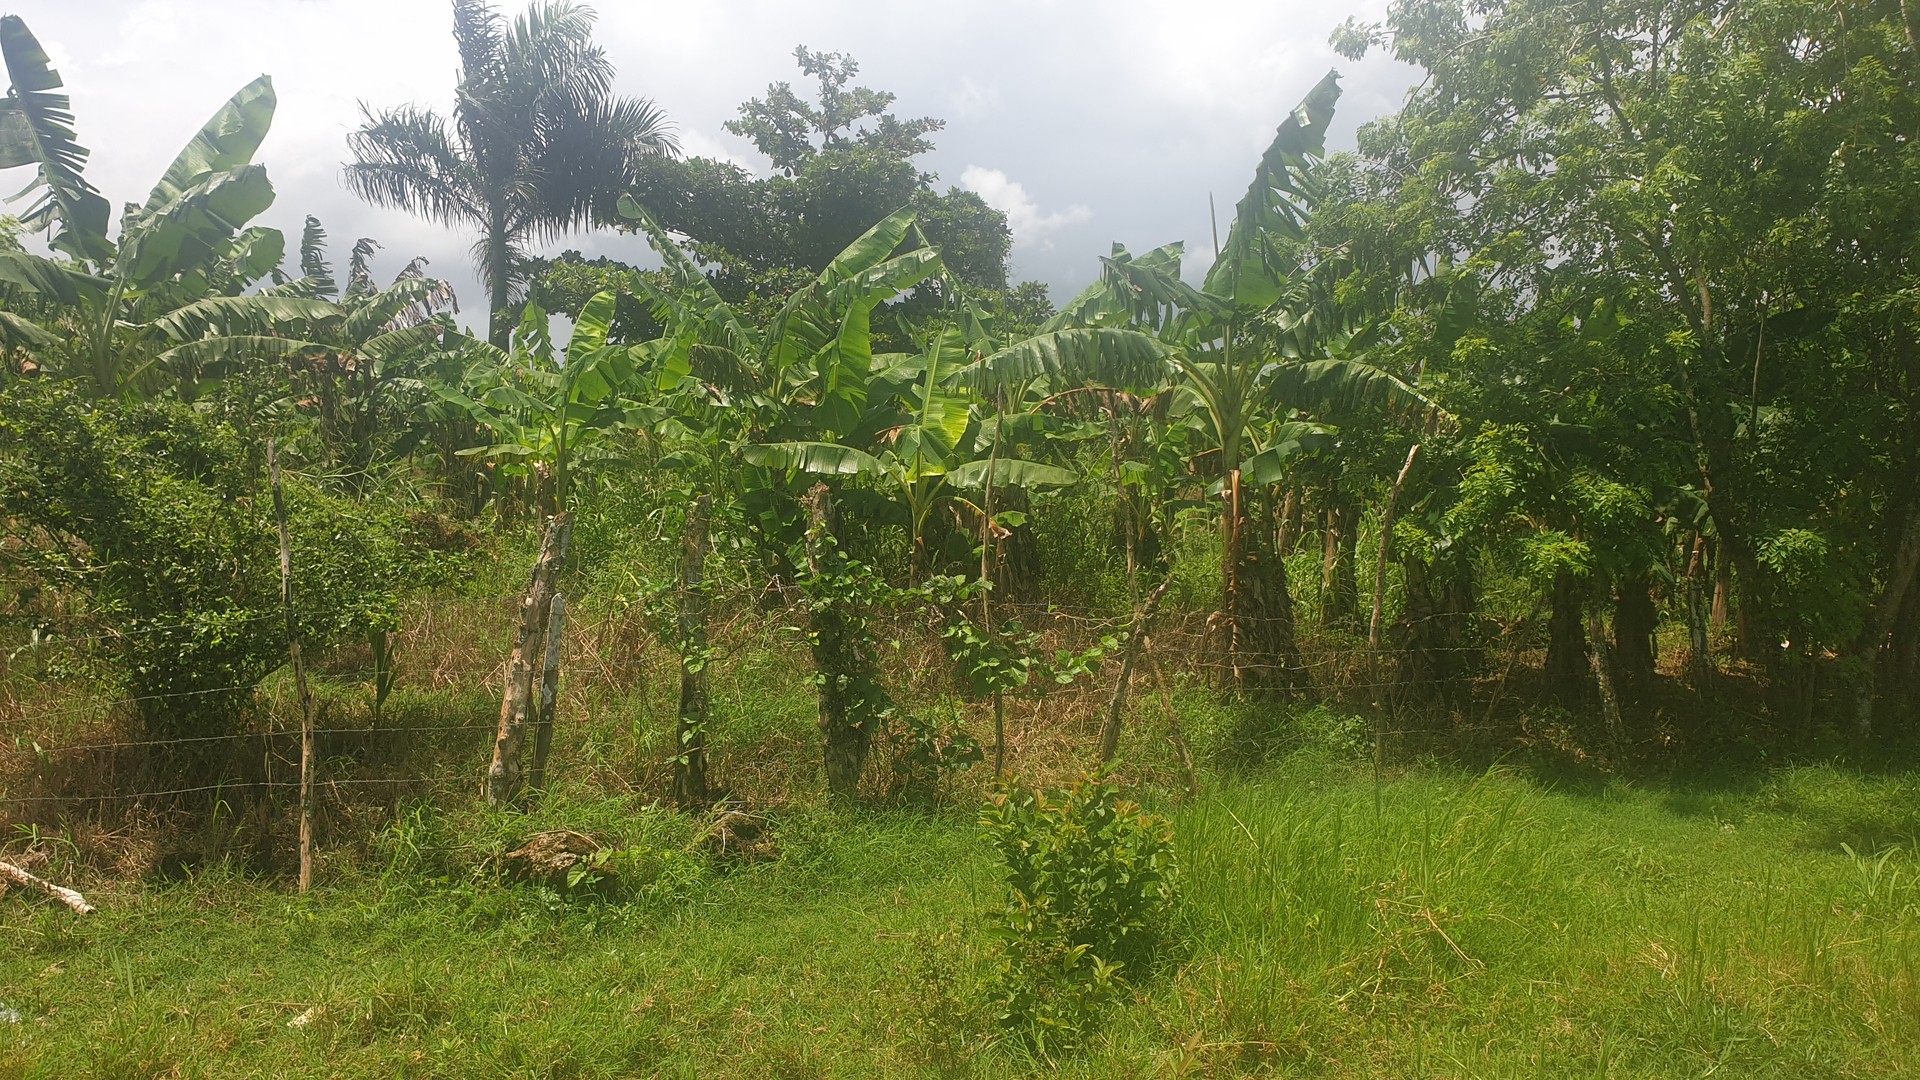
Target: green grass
(1475, 925)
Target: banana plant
(547, 408)
(188, 240)
(1260, 338)
(349, 352)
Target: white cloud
(971, 99)
(697, 143)
(1006, 195)
(151, 25)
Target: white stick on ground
(65, 895)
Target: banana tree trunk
(1339, 588)
(844, 665)
(1256, 604)
(1435, 631)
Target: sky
(1088, 123)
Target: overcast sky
(1086, 122)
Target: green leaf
(257, 252)
(226, 142)
(1255, 262)
(52, 278)
(1127, 359)
(36, 128)
(1012, 472)
(1293, 440)
(1345, 386)
(189, 231)
(590, 327)
(813, 458)
(20, 333)
(232, 315)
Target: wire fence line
(1183, 649)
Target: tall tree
(1733, 182)
(842, 162)
(538, 143)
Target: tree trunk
(1287, 535)
(1722, 591)
(1902, 681)
(1603, 681)
(1339, 588)
(1116, 709)
(516, 704)
(1699, 644)
(1018, 568)
(1635, 621)
(1884, 614)
(499, 283)
(295, 660)
(1567, 674)
(1435, 629)
(840, 657)
(690, 737)
(1265, 654)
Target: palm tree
(537, 144)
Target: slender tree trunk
(690, 737)
(1722, 591)
(1375, 619)
(1230, 600)
(499, 283)
(1136, 636)
(1386, 546)
(1700, 645)
(1603, 682)
(1902, 686)
(299, 670)
(1346, 577)
(516, 703)
(1566, 641)
(1881, 619)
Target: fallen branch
(65, 895)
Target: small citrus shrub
(1090, 879)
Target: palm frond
(408, 159)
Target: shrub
(162, 517)
(1090, 880)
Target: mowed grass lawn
(1471, 925)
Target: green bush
(162, 518)
(1090, 879)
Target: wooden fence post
(549, 690)
(516, 702)
(299, 669)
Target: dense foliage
(1602, 345)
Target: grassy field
(1445, 924)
